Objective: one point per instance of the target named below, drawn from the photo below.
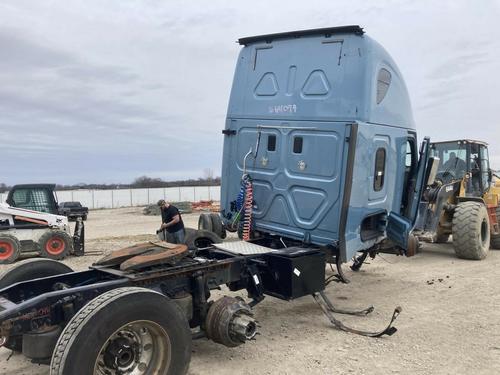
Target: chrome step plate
(242, 248)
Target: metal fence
(135, 197)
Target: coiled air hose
(247, 208)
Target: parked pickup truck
(73, 210)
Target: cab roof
(462, 140)
(327, 31)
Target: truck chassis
(37, 315)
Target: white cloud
(119, 88)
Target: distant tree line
(139, 182)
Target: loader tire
(122, 331)
(495, 238)
(471, 231)
(55, 244)
(27, 270)
(217, 225)
(441, 238)
(197, 239)
(10, 249)
(495, 242)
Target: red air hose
(247, 207)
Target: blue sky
(106, 91)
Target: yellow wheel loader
(463, 200)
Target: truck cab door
(400, 225)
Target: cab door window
(485, 167)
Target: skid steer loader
(463, 201)
(28, 224)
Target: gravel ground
(450, 322)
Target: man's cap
(161, 202)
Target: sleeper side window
(378, 180)
(383, 83)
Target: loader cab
(465, 160)
(35, 197)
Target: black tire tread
(26, 270)
(217, 226)
(192, 235)
(442, 238)
(45, 237)
(17, 248)
(77, 323)
(466, 220)
(32, 269)
(205, 222)
(495, 239)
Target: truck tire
(10, 249)
(27, 270)
(217, 226)
(125, 329)
(495, 238)
(205, 222)
(55, 244)
(197, 239)
(441, 238)
(471, 231)
(32, 269)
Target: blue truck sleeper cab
(321, 122)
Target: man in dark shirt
(171, 222)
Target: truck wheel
(471, 231)
(495, 242)
(10, 249)
(197, 239)
(495, 238)
(441, 238)
(125, 331)
(27, 270)
(205, 222)
(55, 244)
(217, 226)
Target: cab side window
(378, 178)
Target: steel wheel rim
(55, 246)
(138, 348)
(8, 250)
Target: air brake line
(328, 309)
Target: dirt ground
(450, 322)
